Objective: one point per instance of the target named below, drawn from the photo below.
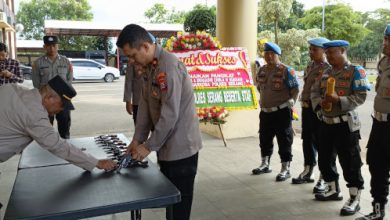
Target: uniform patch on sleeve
(162, 81)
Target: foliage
(273, 11)
(341, 22)
(214, 115)
(371, 46)
(33, 13)
(203, 19)
(159, 14)
(191, 41)
(294, 45)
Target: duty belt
(334, 120)
(381, 116)
(274, 109)
(305, 104)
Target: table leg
(170, 212)
(138, 214)
(132, 215)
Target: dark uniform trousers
(63, 122)
(378, 159)
(182, 174)
(135, 111)
(337, 138)
(310, 136)
(277, 123)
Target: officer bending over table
(24, 117)
(167, 108)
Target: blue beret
(318, 42)
(336, 43)
(269, 46)
(152, 37)
(387, 30)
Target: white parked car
(85, 69)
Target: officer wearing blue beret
(278, 87)
(378, 154)
(310, 121)
(335, 101)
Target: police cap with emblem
(318, 42)
(336, 43)
(269, 46)
(50, 39)
(387, 30)
(64, 90)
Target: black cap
(64, 90)
(50, 39)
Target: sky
(132, 11)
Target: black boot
(352, 205)
(284, 172)
(305, 177)
(321, 186)
(331, 194)
(377, 214)
(264, 167)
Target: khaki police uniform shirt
(382, 87)
(23, 119)
(277, 85)
(133, 85)
(167, 105)
(312, 73)
(44, 69)
(351, 86)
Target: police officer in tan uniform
(133, 87)
(310, 121)
(24, 118)
(339, 131)
(49, 66)
(167, 108)
(278, 87)
(378, 150)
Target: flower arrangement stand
(223, 137)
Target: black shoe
(331, 194)
(377, 214)
(301, 180)
(261, 170)
(350, 208)
(284, 172)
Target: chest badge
(162, 81)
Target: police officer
(24, 118)
(378, 151)
(167, 106)
(133, 86)
(278, 87)
(310, 122)
(49, 66)
(339, 131)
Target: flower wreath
(213, 115)
(192, 41)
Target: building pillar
(237, 27)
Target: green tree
(371, 46)
(273, 11)
(294, 45)
(292, 21)
(341, 22)
(201, 19)
(32, 14)
(159, 14)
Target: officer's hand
(334, 98)
(106, 165)
(7, 74)
(132, 145)
(129, 108)
(140, 152)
